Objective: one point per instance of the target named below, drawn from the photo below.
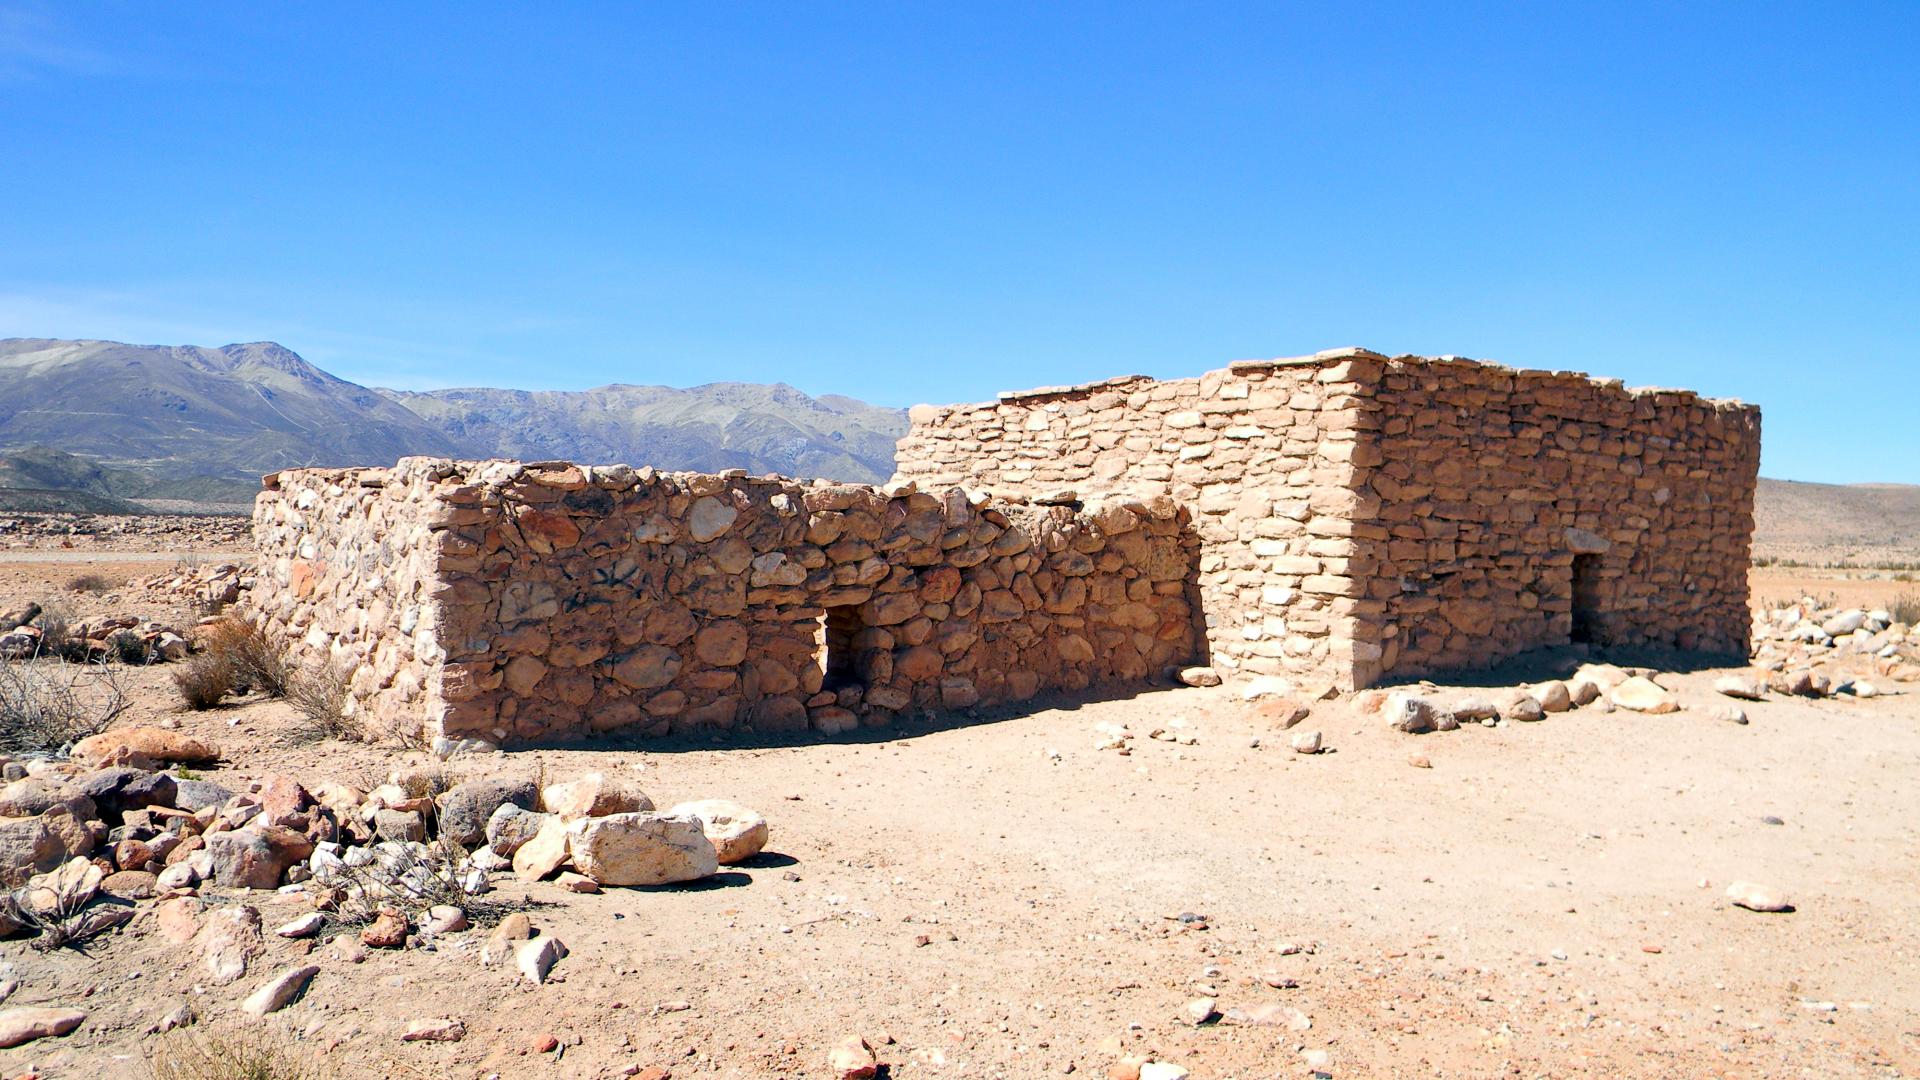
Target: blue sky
(933, 202)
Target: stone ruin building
(1332, 521)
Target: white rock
(1756, 897)
(737, 833)
(1161, 1070)
(1643, 695)
(274, 994)
(305, 926)
(536, 958)
(1410, 713)
(1306, 742)
(437, 1030)
(641, 849)
(1744, 687)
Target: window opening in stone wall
(1586, 599)
(838, 660)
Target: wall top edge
(1374, 364)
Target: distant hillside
(201, 424)
(763, 429)
(1822, 523)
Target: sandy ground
(1777, 585)
(1545, 901)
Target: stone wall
(520, 603)
(1524, 508)
(1265, 457)
(1362, 517)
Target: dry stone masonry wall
(1331, 520)
(520, 603)
(1264, 458)
(1364, 518)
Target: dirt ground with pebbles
(996, 898)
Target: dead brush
(239, 1054)
(57, 638)
(58, 920)
(47, 706)
(1906, 609)
(204, 680)
(319, 696)
(399, 877)
(257, 664)
(93, 583)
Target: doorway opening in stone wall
(839, 662)
(1586, 599)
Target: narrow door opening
(1586, 599)
(838, 660)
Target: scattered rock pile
(81, 845)
(1812, 650)
(178, 531)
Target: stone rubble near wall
(1361, 516)
(521, 602)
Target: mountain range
(202, 424)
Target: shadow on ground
(905, 726)
(1560, 662)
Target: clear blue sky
(934, 202)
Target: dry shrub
(255, 661)
(205, 679)
(48, 706)
(93, 583)
(320, 697)
(240, 1054)
(1906, 609)
(130, 648)
(56, 636)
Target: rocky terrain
(1576, 865)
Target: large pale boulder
(230, 938)
(641, 849)
(1553, 696)
(1409, 713)
(545, 853)
(1643, 695)
(737, 833)
(595, 795)
(1743, 686)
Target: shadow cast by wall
(904, 726)
(1561, 661)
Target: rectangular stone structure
(1364, 518)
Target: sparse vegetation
(47, 706)
(246, 1054)
(320, 697)
(93, 583)
(204, 679)
(1906, 609)
(256, 662)
(400, 878)
(56, 636)
(61, 917)
(130, 648)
